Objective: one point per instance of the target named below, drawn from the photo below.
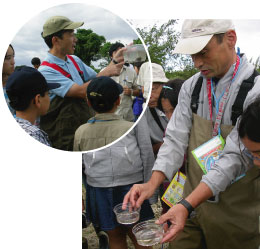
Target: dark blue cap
(27, 82)
(104, 88)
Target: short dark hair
(249, 122)
(138, 64)
(219, 37)
(171, 92)
(20, 103)
(102, 93)
(48, 39)
(101, 106)
(36, 61)
(10, 45)
(114, 47)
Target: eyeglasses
(251, 155)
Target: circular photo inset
(71, 80)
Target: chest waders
(65, 115)
(231, 223)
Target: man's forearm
(200, 194)
(78, 91)
(156, 179)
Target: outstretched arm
(178, 214)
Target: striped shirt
(34, 131)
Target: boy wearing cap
(27, 90)
(103, 95)
(68, 109)
(209, 105)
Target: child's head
(103, 94)
(26, 87)
(168, 99)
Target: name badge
(208, 153)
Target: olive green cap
(58, 23)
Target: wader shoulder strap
(195, 95)
(76, 65)
(156, 118)
(61, 70)
(57, 68)
(246, 86)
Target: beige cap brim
(74, 25)
(192, 45)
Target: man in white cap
(209, 104)
(68, 109)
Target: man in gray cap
(68, 108)
(209, 104)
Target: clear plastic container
(148, 233)
(128, 216)
(134, 53)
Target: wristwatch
(114, 61)
(187, 205)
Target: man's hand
(119, 57)
(127, 91)
(112, 70)
(177, 215)
(137, 194)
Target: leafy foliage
(88, 45)
(161, 41)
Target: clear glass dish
(134, 53)
(148, 233)
(128, 216)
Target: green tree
(256, 63)
(161, 41)
(104, 54)
(88, 45)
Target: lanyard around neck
(220, 102)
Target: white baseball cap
(196, 33)
(158, 74)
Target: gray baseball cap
(58, 23)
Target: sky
(40, 187)
(28, 43)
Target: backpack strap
(195, 95)
(156, 118)
(76, 66)
(57, 68)
(246, 86)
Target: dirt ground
(89, 233)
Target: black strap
(246, 86)
(237, 108)
(195, 95)
(156, 118)
(187, 205)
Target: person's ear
(37, 100)
(118, 101)
(55, 40)
(89, 103)
(231, 38)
